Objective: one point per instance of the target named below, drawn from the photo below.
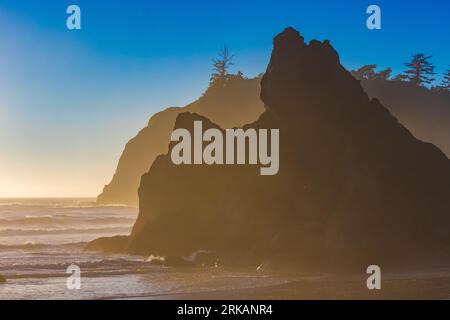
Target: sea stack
(354, 186)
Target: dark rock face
(175, 261)
(116, 244)
(184, 196)
(230, 103)
(426, 113)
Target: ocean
(41, 238)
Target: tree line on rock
(419, 71)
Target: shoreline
(299, 290)
(331, 287)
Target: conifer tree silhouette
(222, 64)
(445, 83)
(421, 70)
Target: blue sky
(69, 100)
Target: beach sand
(333, 287)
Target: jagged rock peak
(304, 76)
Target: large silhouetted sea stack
(230, 101)
(425, 112)
(354, 186)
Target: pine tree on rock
(222, 64)
(421, 70)
(445, 84)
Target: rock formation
(108, 244)
(354, 186)
(230, 102)
(425, 112)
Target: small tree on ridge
(222, 64)
(421, 70)
(445, 83)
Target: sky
(71, 99)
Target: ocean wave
(62, 273)
(22, 232)
(40, 246)
(106, 266)
(62, 220)
(36, 204)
